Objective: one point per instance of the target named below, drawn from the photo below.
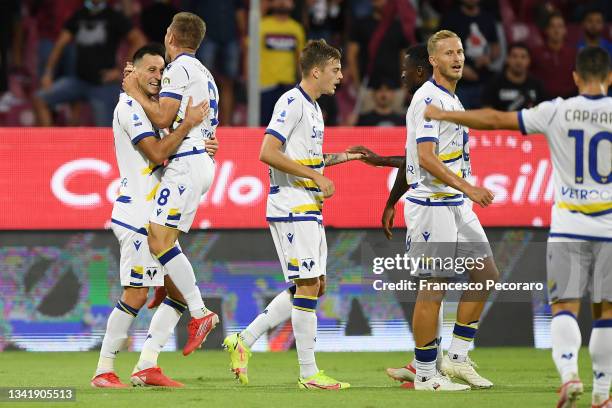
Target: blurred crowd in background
(61, 61)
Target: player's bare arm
(430, 162)
(161, 113)
(400, 186)
(158, 150)
(477, 119)
(331, 159)
(371, 158)
(272, 155)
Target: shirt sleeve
(72, 23)
(426, 130)
(136, 123)
(174, 82)
(539, 118)
(287, 114)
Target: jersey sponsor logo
(280, 42)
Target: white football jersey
(297, 121)
(579, 135)
(451, 146)
(139, 177)
(185, 77)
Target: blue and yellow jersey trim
(315, 163)
(592, 209)
(451, 157)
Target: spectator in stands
(514, 89)
(553, 63)
(382, 114)
(325, 19)
(155, 19)
(593, 28)
(226, 25)
(478, 32)
(10, 33)
(375, 49)
(281, 41)
(97, 31)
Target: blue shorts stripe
(292, 267)
(169, 255)
(135, 275)
(175, 217)
(187, 153)
(429, 203)
(577, 236)
(602, 323)
(174, 304)
(305, 303)
(130, 227)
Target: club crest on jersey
(291, 99)
(426, 235)
(290, 238)
(181, 189)
(137, 244)
(151, 272)
(308, 264)
(166, 80)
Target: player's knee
(308, 287)
(135, 297)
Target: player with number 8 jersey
(190, 170)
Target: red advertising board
(67, 178)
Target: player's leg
(146, 372)
(600, 345)
(117, 328)
(568, 272)
(279, 310)
(472, 245)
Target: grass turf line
(523, 377)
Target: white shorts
(301, 248)
(137, 267)
(455, 229)
(183, 183)
(574, 266)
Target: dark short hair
(593, 63)
(317, 53)
(519, 44)
(149, 49)
(551, 16)
(418, 55)
(592, 10)
(189, 29)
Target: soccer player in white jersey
(293, 148)
(190, 171)
(140, 155)
(440, 220)
(579, 254)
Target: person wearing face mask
(97, 31)
(281, 39)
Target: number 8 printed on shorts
(163, 196)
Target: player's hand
(130, 83)
(325, 185)
(367, 156)
(46, 81)
(212, 145)
(128, 69)
(195, 114)
(387, 221)
(433, 112)
(480, 196)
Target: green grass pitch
(523, 377)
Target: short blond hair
(440, 35)
(188, 29)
